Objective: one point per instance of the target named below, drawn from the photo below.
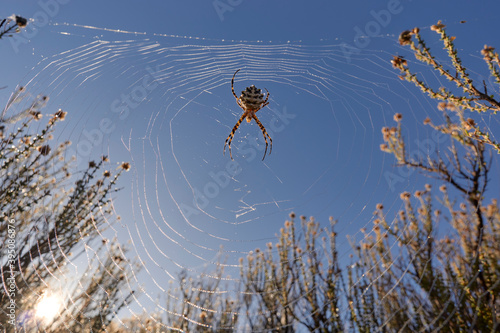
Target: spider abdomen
(252, 98)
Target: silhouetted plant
(298, 287)
(451, 283)
(144, 323)
(46, 223)
(11, 25)
(415, 280)
(199, 305)
(474, 98)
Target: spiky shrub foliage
(145, 322)
(46, 221)
(199, 305)
(421, 281)
(470, 97)
(413, 279)
(294, 284)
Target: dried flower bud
(487, 52)
(384, 147)
(451, 107)
(44, 150)
(399, 62)
(470, 123)
(21, 21)
(405, 37)
(36, 115)
(405, 196)
(60, 114)
(438, 27)
(125, 166)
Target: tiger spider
(251, 101)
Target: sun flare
(48, 307)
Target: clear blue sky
(325, 113)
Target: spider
(251, 101)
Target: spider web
(166, 106)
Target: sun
(48, 307)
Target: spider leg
(267, 97)
(232, 84)
(265, 101)
(238, 101)
(264, 132)
(231, 136)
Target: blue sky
(327, 107)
